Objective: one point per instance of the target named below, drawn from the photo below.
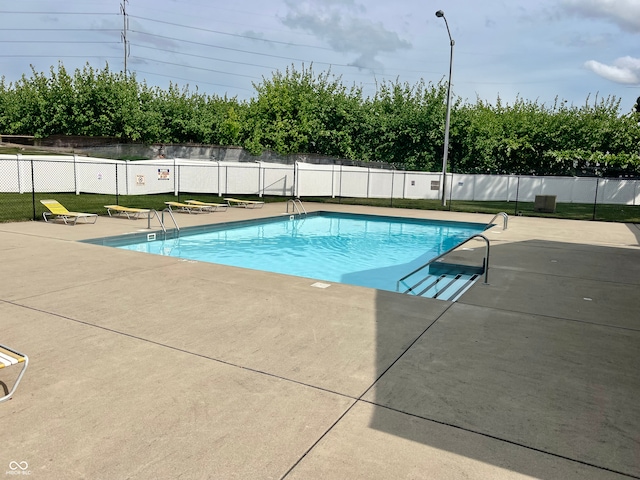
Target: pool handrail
(295, 202)
(172, 218)
(505, 222)
(435, 259)
(154, 213)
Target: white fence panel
(561, 187)
(583, 190)
(148, 179)
(490, 187)
(317, 180)
(528, 189)
(277, 180)
(423, 185)
(380, 185)
(54, 176)
(12, 171)
(512, 187)
(463, 187)
(619, 191)
(397, 183)
(242, 178)
(97, 178)
(354, 182)
(198, 178)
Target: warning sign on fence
(163, 174)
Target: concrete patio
(153, 367)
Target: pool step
(445, 286)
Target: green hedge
(299, 111)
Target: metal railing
(168, 210)
(154, 214)
(296, 206)
(505, 222)
(485, 261)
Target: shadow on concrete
(543, 358)
(635, 229)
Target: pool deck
(149, 367)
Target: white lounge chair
(8, 358)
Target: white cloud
(342, 25)
(624, 13)
(625, 70)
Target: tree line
(300, 111)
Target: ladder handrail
(435, 259)
(154, 213)
(172, 218)
(505, 223)
(294, 203)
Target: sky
(576, 51)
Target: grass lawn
(574, 211)
(16, 207)
(22, 207)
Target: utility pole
(123, 36)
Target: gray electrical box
(545, 203)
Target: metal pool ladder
(296, 206)
(449, 281)
(505, 222)
(154, 213)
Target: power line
(216, 46)
(54, 41)
(242, 51)
(227, 22)
(290, 44)
(56, 56)
(195, 81)
(203, 56)
(195, 68)
(61, 29)
(58, 13)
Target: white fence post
(75, 174)
(19, 165)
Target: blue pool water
(365, 250)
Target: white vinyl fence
(51, 174)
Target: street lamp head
(439, 14)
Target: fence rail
(39, 174)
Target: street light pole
(445, 154)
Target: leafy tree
(299, 111)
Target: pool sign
(139, 179)
(163, 174)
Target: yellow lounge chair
(235, 202)
(56, 210)
(213, 206)
(8, 358)
(185, 207)
(129, 212)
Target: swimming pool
(365, 250)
